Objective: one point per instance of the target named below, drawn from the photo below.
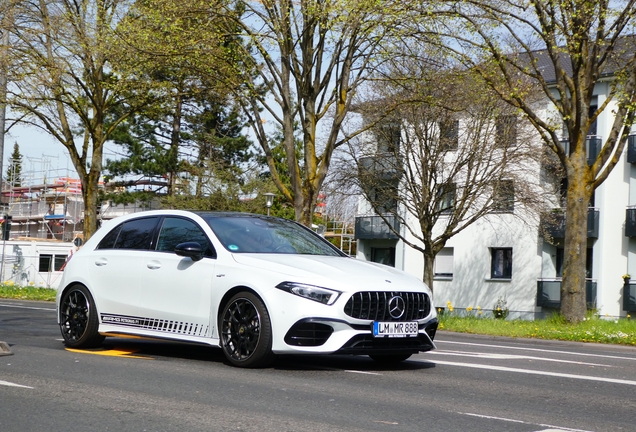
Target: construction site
(42, 217)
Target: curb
(4, 349)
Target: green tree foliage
(62, 81)
(313, 56)
(14, 170)
(194, 133)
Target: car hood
(347, 274)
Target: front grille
(373, 305)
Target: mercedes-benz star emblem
(396, 307)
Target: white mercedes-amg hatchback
(254, 285)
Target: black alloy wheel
(78, 318)
(246, 335)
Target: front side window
(501, 265)
(178, 230)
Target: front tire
(246, 333)
(78, 318)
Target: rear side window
(136, 234)
(177, 230)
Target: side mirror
(189, 249)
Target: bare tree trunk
(429, 271)
(573, 304)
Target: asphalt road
(470, 383)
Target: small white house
(34, 262)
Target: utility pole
(4, 66)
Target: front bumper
(324, 335)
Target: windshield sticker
(233, 247)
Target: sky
(42, 155)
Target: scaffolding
(43, 202)
(339, 233)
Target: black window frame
(55, 262)
(504, 196)
(389, 252)
(507, 256)
(446, 197)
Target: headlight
(311, 292)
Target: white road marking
(552, 428)
(493, 356)
(26, 307)
(363, 372)
(538, 350)
(531, 372)
(10, 384)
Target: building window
(506, 131)
(501, 264)
(388, 135)
(446, 197)
(50, 262)
(589, 260)
(444, 263)
(384, 197)
(384, 256)
(449, 135)
(504, 196)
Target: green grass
(593, 329)
(27, 293)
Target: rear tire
(389, 359)
(246, 332)
(78, 318)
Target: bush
(500, 309)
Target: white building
(504, 257)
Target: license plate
(394, 329)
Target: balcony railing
(593, 146)
(373, 227)
(629, 297)
(383, 166)
(554, 223)
(631, 149)
(549, 293)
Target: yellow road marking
(110, 352)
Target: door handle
(101, 262)
(153, 265)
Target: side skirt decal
(167, 326)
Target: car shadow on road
(178, 350)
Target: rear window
(136, 234)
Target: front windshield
(261, 234)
